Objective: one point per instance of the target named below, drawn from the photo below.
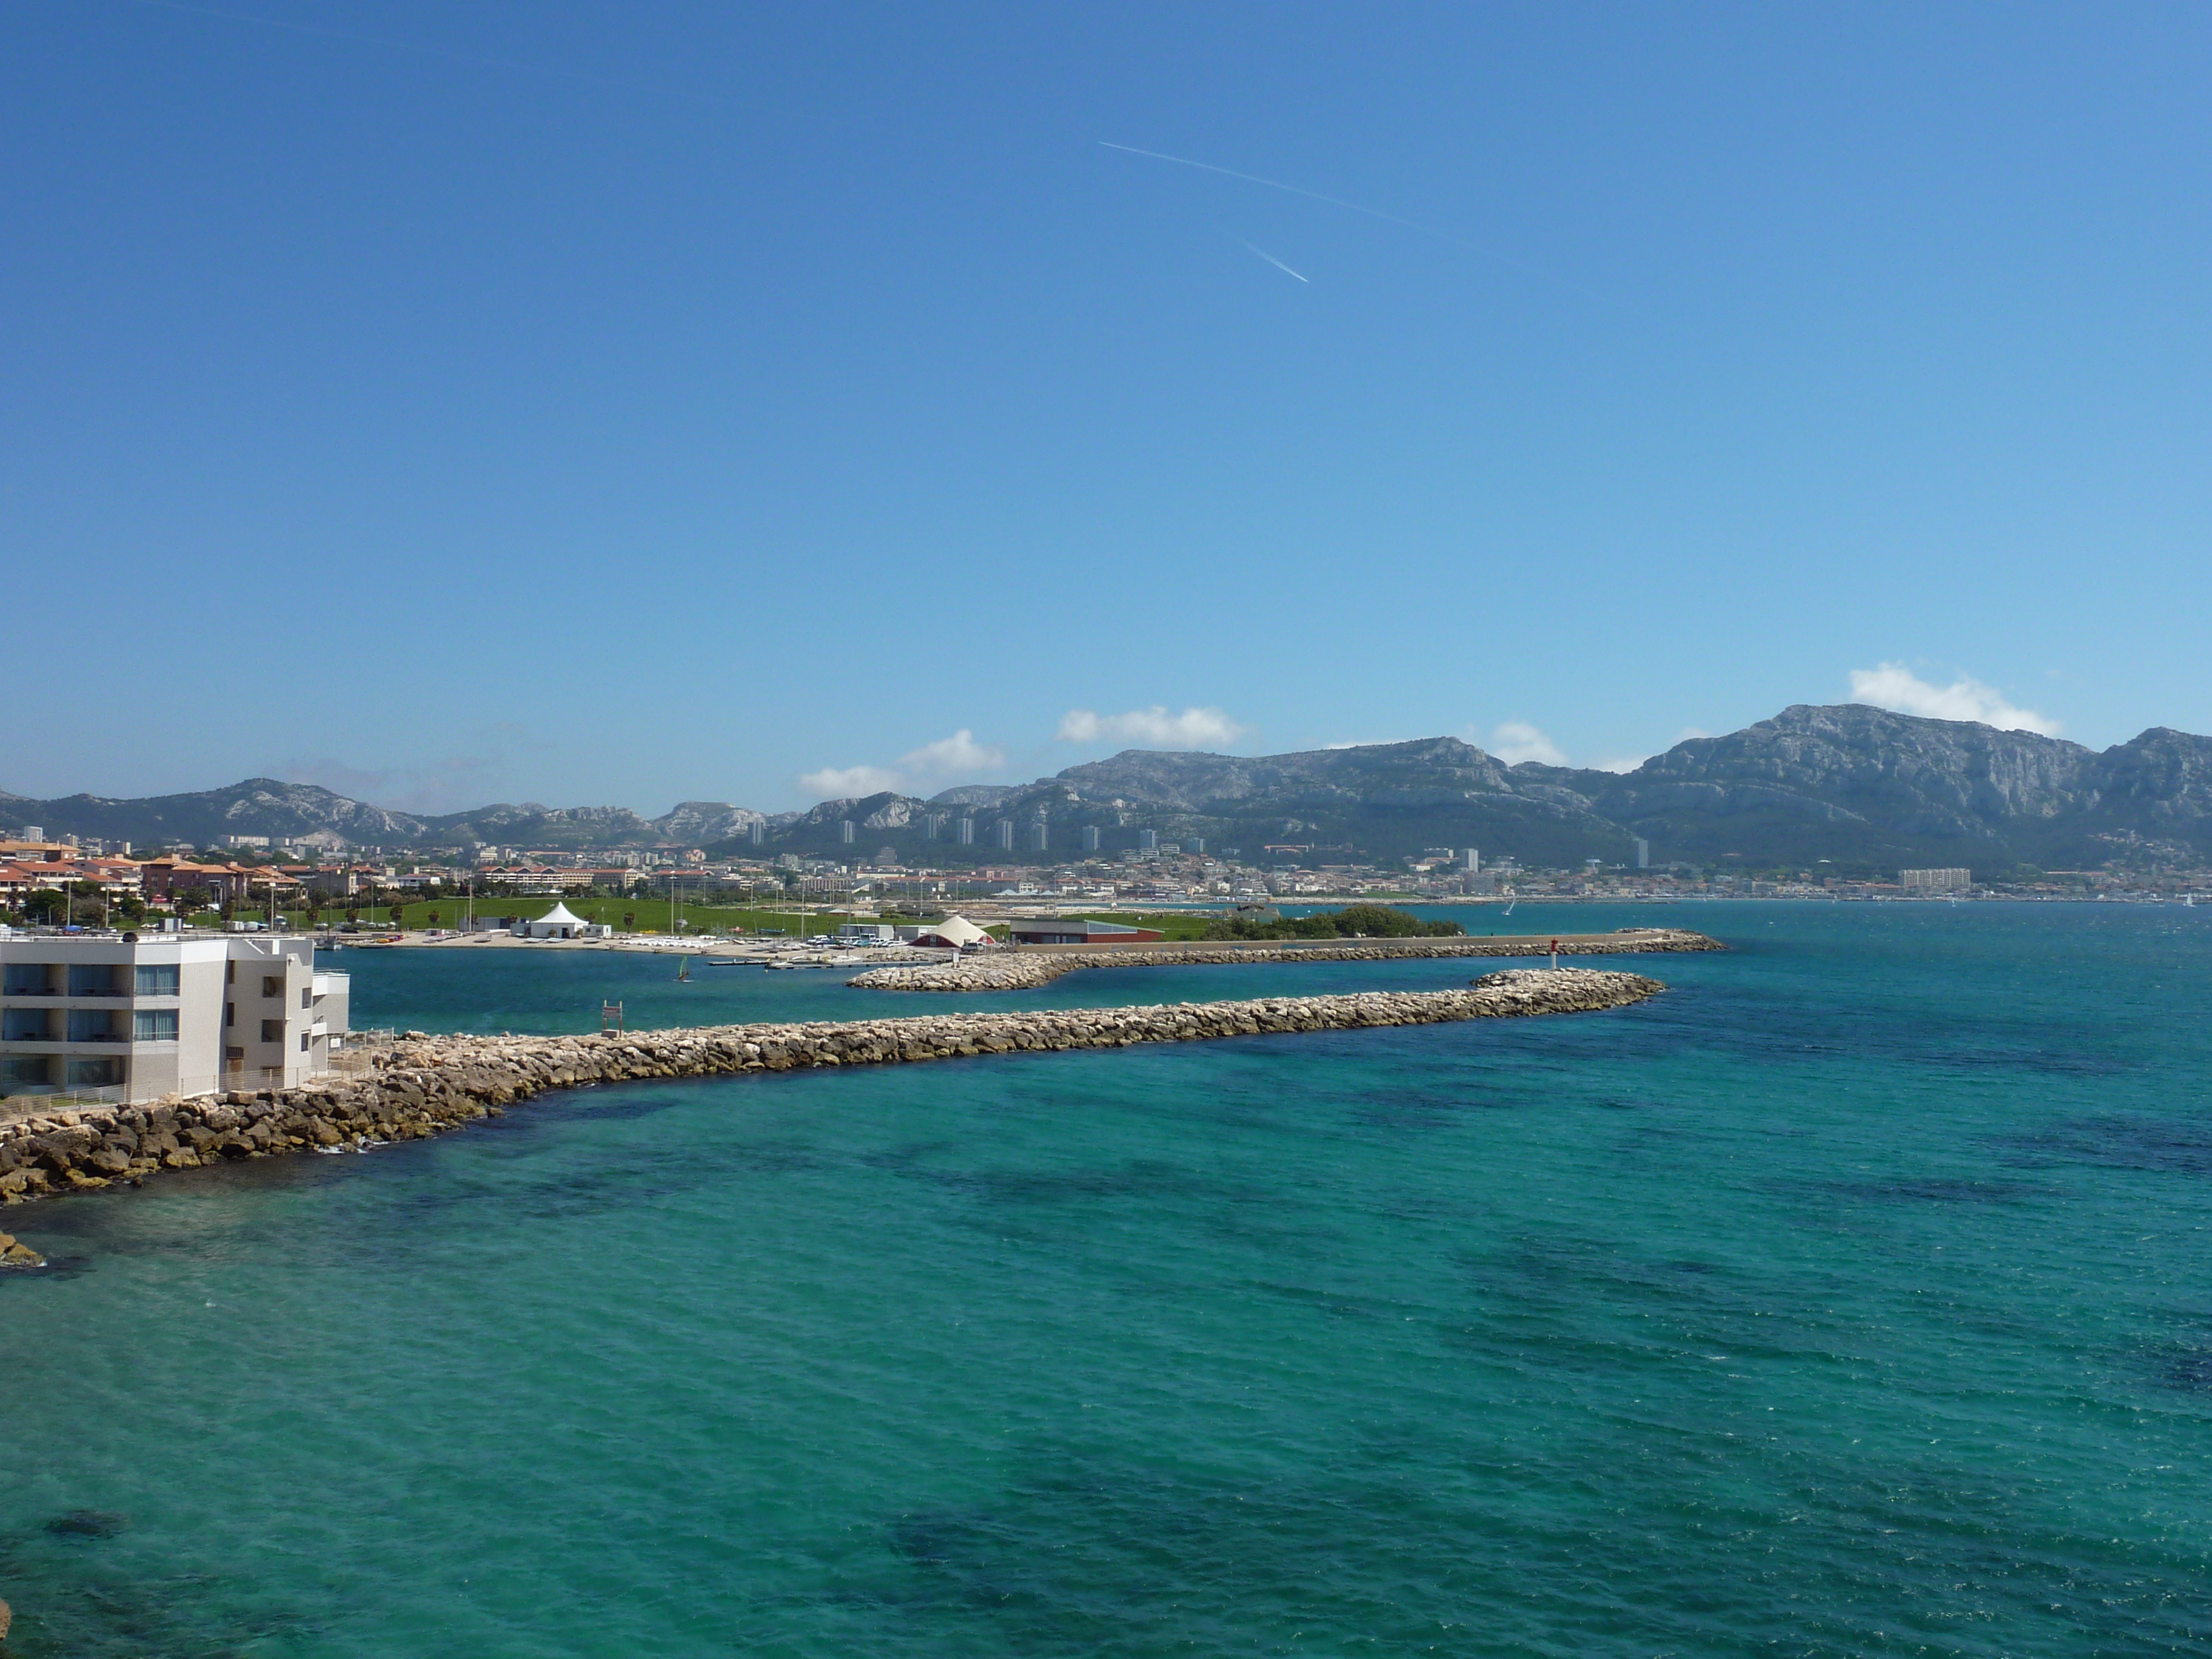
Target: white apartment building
(133, 1019)
(1935, 881)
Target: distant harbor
(1037, 965)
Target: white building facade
(132, 1019)
(1935, 881)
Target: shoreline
(421, 1085)
(1027, 967)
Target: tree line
(1353, 921)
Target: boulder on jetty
(417, 1085)
(1024, 970)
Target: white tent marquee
(559, 922)
(954, 932)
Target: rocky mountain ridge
(1848, 783)
(1855, 781)
(309, 812)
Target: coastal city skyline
(1838, 795)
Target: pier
(418, 1085)
(1031, 965)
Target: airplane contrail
(1477, 248)
(1273, 261)
(1277, 184)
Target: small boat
(684, 972)
(732, 962)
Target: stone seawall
(1026, 969)
(422, 1085)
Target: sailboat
(683, 973)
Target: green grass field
(637, 915)
(1168, 926)
(652, 915)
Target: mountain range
(1851, 784)
(309, 813)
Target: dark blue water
(1856, 1297)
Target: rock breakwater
(418, 1085)
(1026, 969)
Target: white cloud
(1516, 741)
(1690, 732)
(1893, 686)
(959, 753)
(843, 782)
(932, 762)
(1619, 763)
(1153, 727)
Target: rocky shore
(1026, 969)
(419, 1086)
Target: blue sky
(615, 403)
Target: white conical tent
(559, 922)
(954, 931)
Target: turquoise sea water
(1856, 1297)
(492, 988)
